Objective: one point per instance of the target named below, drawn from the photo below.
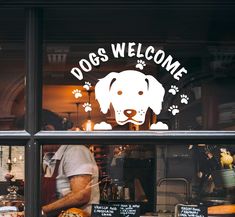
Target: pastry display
(12, 214)
(73, 212)
(12, 204)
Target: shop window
(195, 70)
(158, 178)
(12, 67)
(190, 35)
(199, 100)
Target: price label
(191, 211)
(104, 211)
(129, 210)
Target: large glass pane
(12, 178)
(173, 67)
(12, 67)
(199, 174)
(158, 178)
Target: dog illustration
(131, 94)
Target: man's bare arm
(79, 195)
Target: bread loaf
(73, 212)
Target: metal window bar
(33, 109)
(136, 3)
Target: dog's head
(131, 94)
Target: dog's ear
(102, 90)
(156, 94)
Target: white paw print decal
(87, 85)
(77, 93)
(174, 109)
(140, 64)
(87, 107)
(173, 90)
(184, 99)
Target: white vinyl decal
(173, 90)
(140, 64)
(132, 92)
(102, 126)
(77, 93)
(174, 109)
(87, 85)
(87, 107)
(184, 99)
(130, 102)
(159, 126)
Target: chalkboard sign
(190, 211)
(116, 210)
(129, 210)
(105, 210)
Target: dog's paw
(77, 93)
(102, 126)
(87, 85)
(174, 109)
(140, 64)
(159, 126)
(173, 90)
(87, 107)
(184, 99)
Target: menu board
(104, 210)
(116, 210)
(129, 210)
(190, 211)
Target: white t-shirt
(76, 160)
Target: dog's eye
(119, 92)
(140, 92)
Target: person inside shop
(76, 175)
(70, 175)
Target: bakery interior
(158, 176)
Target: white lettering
(169, 66)
(148, 50)
(77, 73)
(131, 50)
(82, 64)
(95, 61)
(178, 74)
(119, 50)
(139, 54)
(102, 53)
(159, 52)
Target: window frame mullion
(34, 44)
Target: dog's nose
(130, 112)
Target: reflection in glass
(199, 101)
(12, 67)
(159, 177)
(202, 99)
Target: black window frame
(32, 137)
